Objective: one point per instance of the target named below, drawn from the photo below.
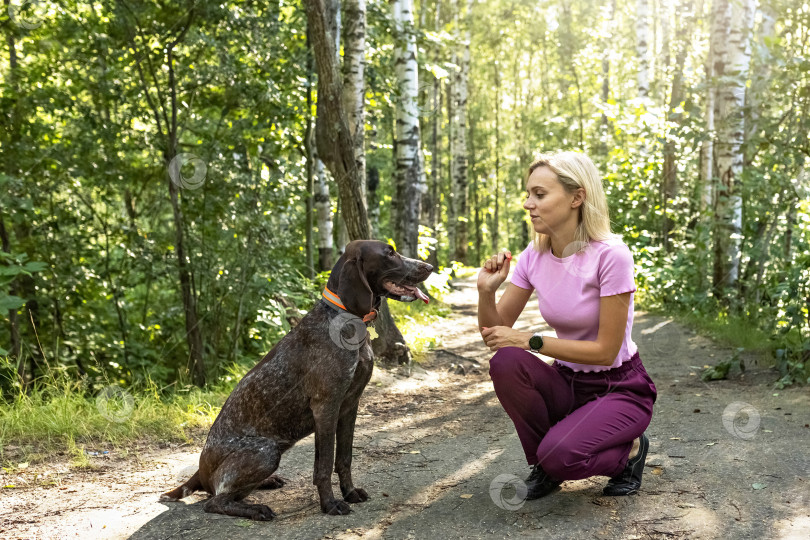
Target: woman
(585, 414)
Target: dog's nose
(429, 267)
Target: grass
(63, 417)
(727, 330)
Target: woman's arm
(613, 311)
(506, 311)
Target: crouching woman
(586, 413)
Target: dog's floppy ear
(353, 287)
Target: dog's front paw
(355, 495)
(260, 512)
(335, 508)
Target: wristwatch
(536, 343)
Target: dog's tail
(191, 485)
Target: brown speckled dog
(310, 382)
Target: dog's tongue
(420, 295)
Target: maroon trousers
(575, 424)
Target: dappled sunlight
(793, 528)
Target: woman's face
(549, 205)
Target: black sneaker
(539, 484)
(629, 481)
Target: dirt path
(728, 459)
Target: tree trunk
(323, 211)
(310, 152)
(408, 173)
(459, 157)
(662, 66)
(354, 87)
(760, 80)
(336, 147)
(9, 168)
(372, 183)
(606, 49)
(497, 191)
(174, 165)
(642, 45)
(730, 134)
(334, 140)
(670, 173)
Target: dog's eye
(391, 253)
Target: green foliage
(93, 234)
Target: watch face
(535, 342)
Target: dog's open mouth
(407, 293)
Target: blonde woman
(585, 414)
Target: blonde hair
(575, 170)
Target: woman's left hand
(497, 337)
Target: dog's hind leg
(190, 486)
(249, 461)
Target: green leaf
(35, 266)
(758, 486)
(10, 302)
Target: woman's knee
(562, 462)
(505, 363)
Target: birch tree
(409, 176)
(642, 46)
(730, 137)
(354, 87)
(670, 171)
(458, 145)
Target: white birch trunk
(760, 78)
(323, 212)
(410, 180)
(665, 14)
(354, 88)
(730, 137)
(642, 46)
(459, 146)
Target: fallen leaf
(711, 444)
(657, 471)
(674, 438)
(767, 431)
(466, 496)
(22, 465)
(758, 486)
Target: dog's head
(369, 270)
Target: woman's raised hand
(494, 271)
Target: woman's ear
(579, 198)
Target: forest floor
(438, 457)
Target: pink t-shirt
(569, 289)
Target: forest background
(168, 211)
